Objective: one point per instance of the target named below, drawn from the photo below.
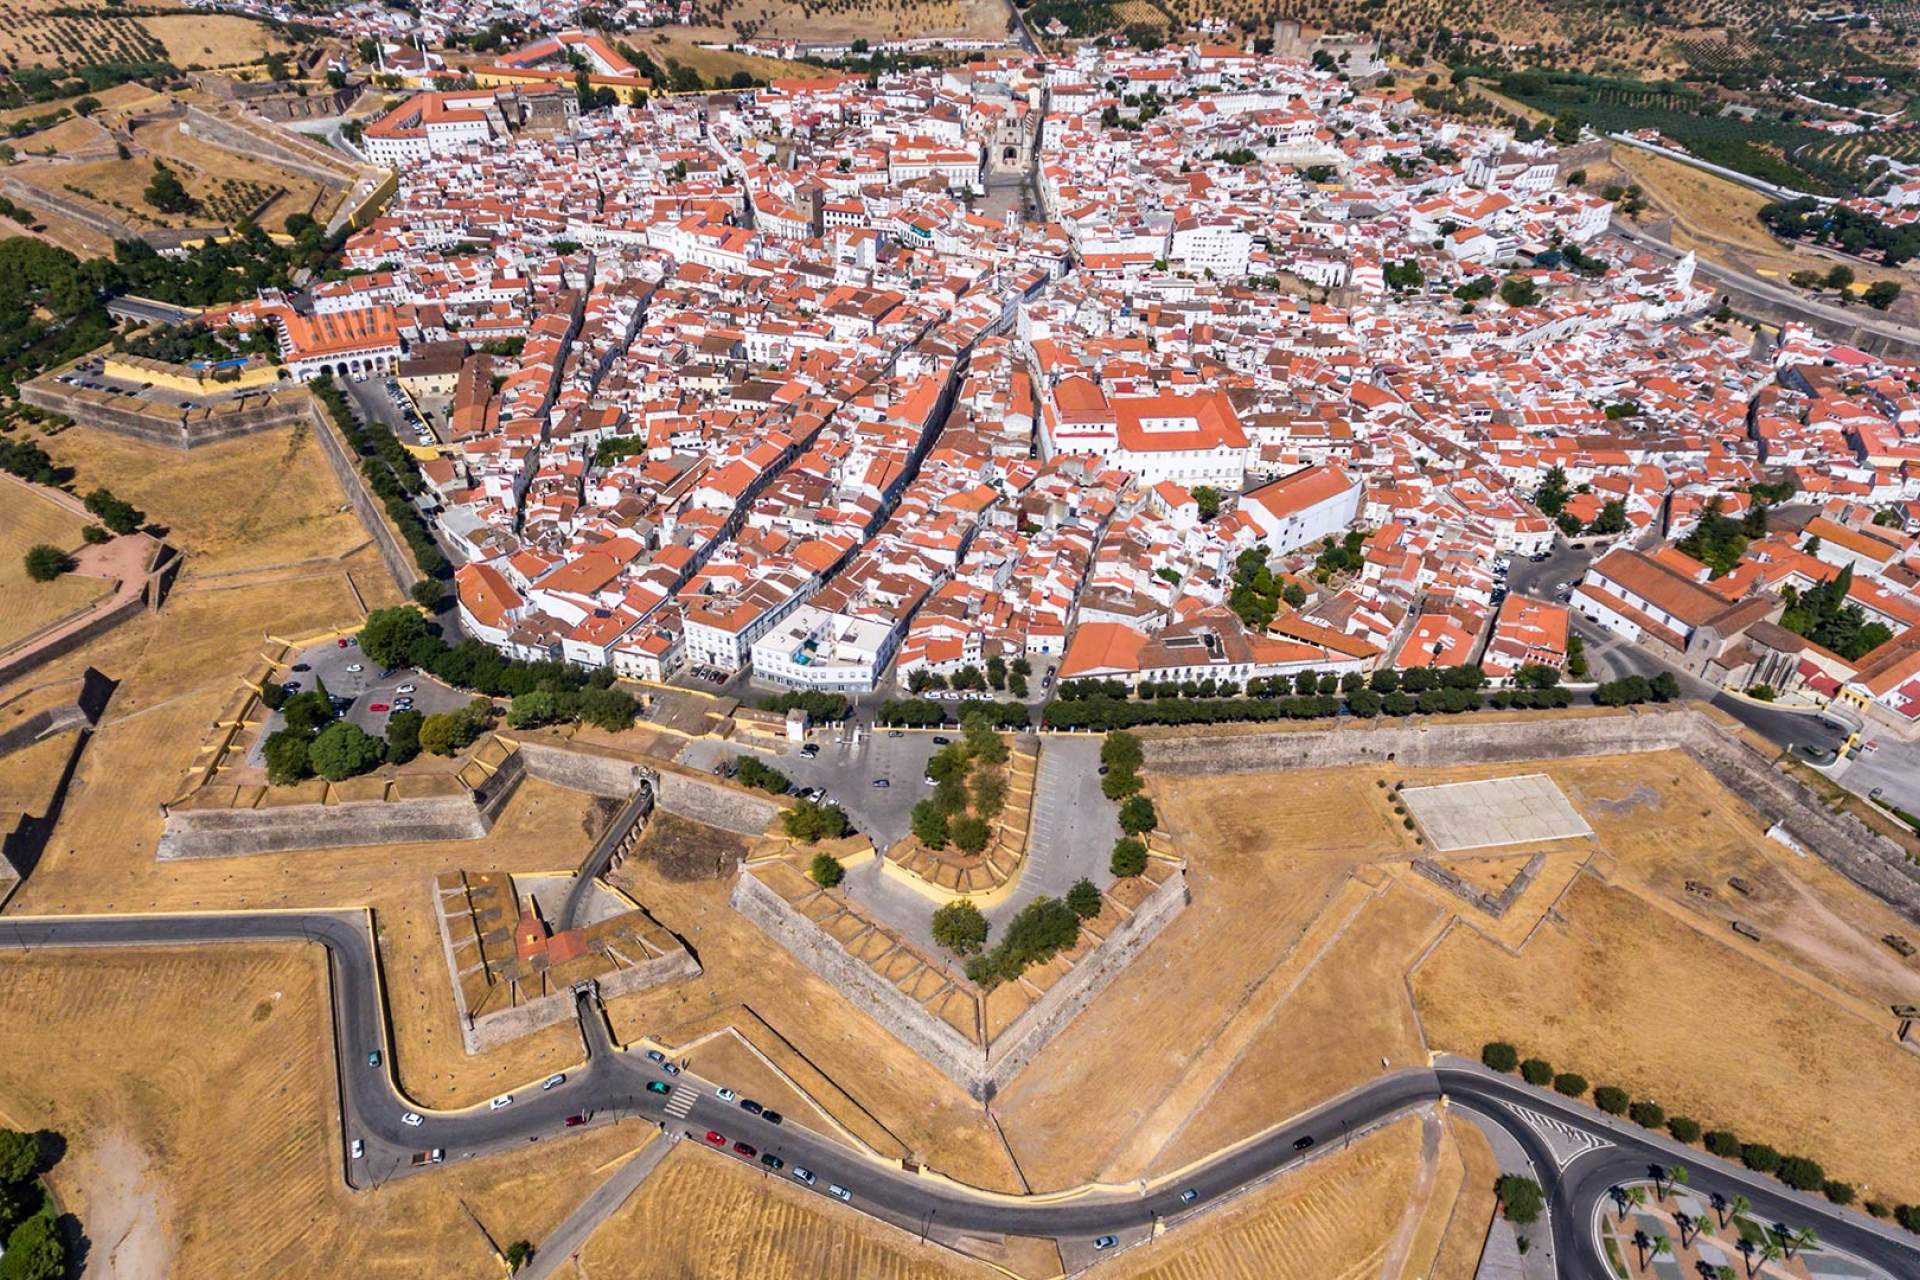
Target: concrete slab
(1494, 812)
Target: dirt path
(121, 1210)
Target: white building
(830, 652)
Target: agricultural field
(195, 1151)
(26, 520)
(56, 33)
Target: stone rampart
(394, 552)
(1872, 860)
(715, 803)
(578, 770)
(1033, 1030)
(221, 833)
(960, 1058)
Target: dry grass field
(260, 500)
(1635, 998)
(196, 1091)
(1264, 863)
(223, 181)
(1336, 1219)
(214, 39)
(38, 34)
(27, 520)
(832, 20)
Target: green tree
(929, 822)
(1084, 899)
(388, 635)
(44, 563)
(1521, 1199)
(437, 733)
(1611, 1100)
(121, 517)
(344, 750)
(165, 191)
(1537, 1072)
(35, 1250)
(1137, 816)
(20, 1155)
(969, 833)
(1129, 857)
(810, 821)
(1499, 1055)
(1519, 291)
(1881, 294)
(518, 1255)
(1207, 498)
(825, 870)
(532, 709)
(1571, 1083)
(960, 928)
(286, 757)
(403, 736)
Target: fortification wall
(715, 803)
(578, 770)
(1033, 1030)
(393, 549)
(1870, 859)
(961, 1059)
(223, 833)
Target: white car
(725, 1095)
(359, 1148)
(412, 1119)
(558, 1078)
(357, 667)
(839, 1192)
(504, 1100)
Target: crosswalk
(1567, 1142)
(684, 1096)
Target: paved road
(613, 1083)
(595, 863)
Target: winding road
(1578, 1153)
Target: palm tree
(1686, 1221)
(1741, 1205)
(1680, 1175)
(1746, 1251)
(1662, 1246)
(1620, 1200)
(1641, 1243)
(1770, 1251)
(1719, 1203)
(1637, 1196)
(1724, 1272)
(1804, 1238)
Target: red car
(342, 642)
(745, 1150)
(717, 1139)
(378, 708)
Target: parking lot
(368, 688)
(383, 400)
(847, 773)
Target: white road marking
(682, 1101)
(1567, 1142)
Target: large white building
(830, 652)
(1298, 510)
(1190, 440)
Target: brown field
(196, 1089)
(1719, 219)
(1263, 866)
(225, 185)
(1635, 998)
(27, 520)
(1336, 1219)
(703, 1216)
(682, 45)
(818, 20)
(213, 39)
(261, 500)
(206, 171)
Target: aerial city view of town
(879, 639)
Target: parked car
(810, 750)
(291, 686)
(359, 1148)
(772, 1161)
(881, 782)
(717, 1138)
(356, 667)
(302, 666)
(379, 708)
(725, 1095)
(557, 1078)
(1189, 1196)
(1301, 1144)
(751, 1107)
(1106, 1242)
(412, 1120)
(746, 1149)
(575, 1121)
(939, 741)
(670, 1069)
(406, 688)
(805, 1175)
(504, 1100)
(839, 1192)
(771, 1117)
(654, 1055)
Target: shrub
(44, 563)
(1879, 1209)
(95, 534)
(930, 824)
(1908, 1216)
(1499, 1055)
(1536, 1071)
(1084, 899)
(1760, 1157)
(1648, 1115)
(1724, 1143)
(825, 870)
(1521, 1198)
(286, 756)
(1838, 1192)
(969, 833)
(960, 928)
(1684, 1129)
(1570, 1083)
(1610, 1100)
(1129, 857)
(1802, 1174)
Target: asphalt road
(612, 1084)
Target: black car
(771, 1117)
(939, 741)
(751, 1107)
(1301, 1144)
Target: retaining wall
(394, 552)
(220, 833)
(1872, 860)
(41, 654)
(576, 770)
(715, 803)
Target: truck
(421, 1159)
